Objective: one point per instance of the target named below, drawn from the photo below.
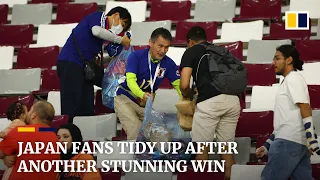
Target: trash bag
(162, 127)
(115, 71)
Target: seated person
(71, 133)
(145, 71)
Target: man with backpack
(219, 79)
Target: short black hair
(161, 31)
(124, 14)
(44, 110)
(288, 50)
(196, 33)
(15, 110)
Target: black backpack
(228, 74)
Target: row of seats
(57, 34)
(207, 10)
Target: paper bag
(185, 121)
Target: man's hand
(9, 160)
(146, 96)
(260, 152)
(2, 135)
(125, 41)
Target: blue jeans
(287, 159)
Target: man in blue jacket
(77, 95)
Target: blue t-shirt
(89, 44)
(137, 63)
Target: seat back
(4, 9)
(310, 6)
(314, 91)
(54, 99)
(137, 9)
(165, 100)
(262, 51)
(174, 11)
(10, 3)
(45, 32)
(74, 13)
(220, 11)
(6, 101)
(176, 53)
(308, 49)
(263, 9)
(259, 100)
(235, 48)
(16, 35)
(50, 1)
(247, 172)
(14, 81)
(6, 54)
(50, 80)
(35, 14)
(44, 57)
(278, 31)
(260, 74)
(59, 121)
(141, 31)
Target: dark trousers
(76, 95)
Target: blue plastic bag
(162, 127)
(115, 70)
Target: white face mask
(116, 29)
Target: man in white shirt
(294, 136)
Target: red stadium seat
(44, 57)
(74, 13)
(99, 108)
(4, 9)
(316, 171)
(6, 101)
(251, 10)
(184, 26)
(309, 50)
(260, 74)
(166, 84)
(278, 32)
(50, 82)
(191, 175)
(50, 1)
(314, 92)
(235, 49)
(59, 121)
(16, 35)
(260, 141)
(174, 11)
(254, 124)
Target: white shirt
(287, 121)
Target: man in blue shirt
(77, 95)
(145, 71)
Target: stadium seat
(244, 31)
(260, 74)
(316, 171)
(59, 121)
(97, 128)
(316, 115)
(165, 100)
(6, 101)
(176, 53)
(278, 32)
(183, 27)
(54, 99)
(219, 11)
(263, 51)
(191, 175)
(259, 100)
(99, 108)
(46, 31)
(235, 49)
(4, 9)
(74, 13)
(309, 50)
(166, 84)
(248, 172)
(10, 3)
(19, 82)
(314, 91)
(99, 2)
(50, 82)
(174, 11)
(142, 31)
(6, 54)
(16, 35)
(310, 6)
(111, 175)
(35, 14)
(45, 57)
(137, 9)
(259, 10)
(254, 124)
(309, 71)
(50, 1)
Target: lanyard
(155, 74)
